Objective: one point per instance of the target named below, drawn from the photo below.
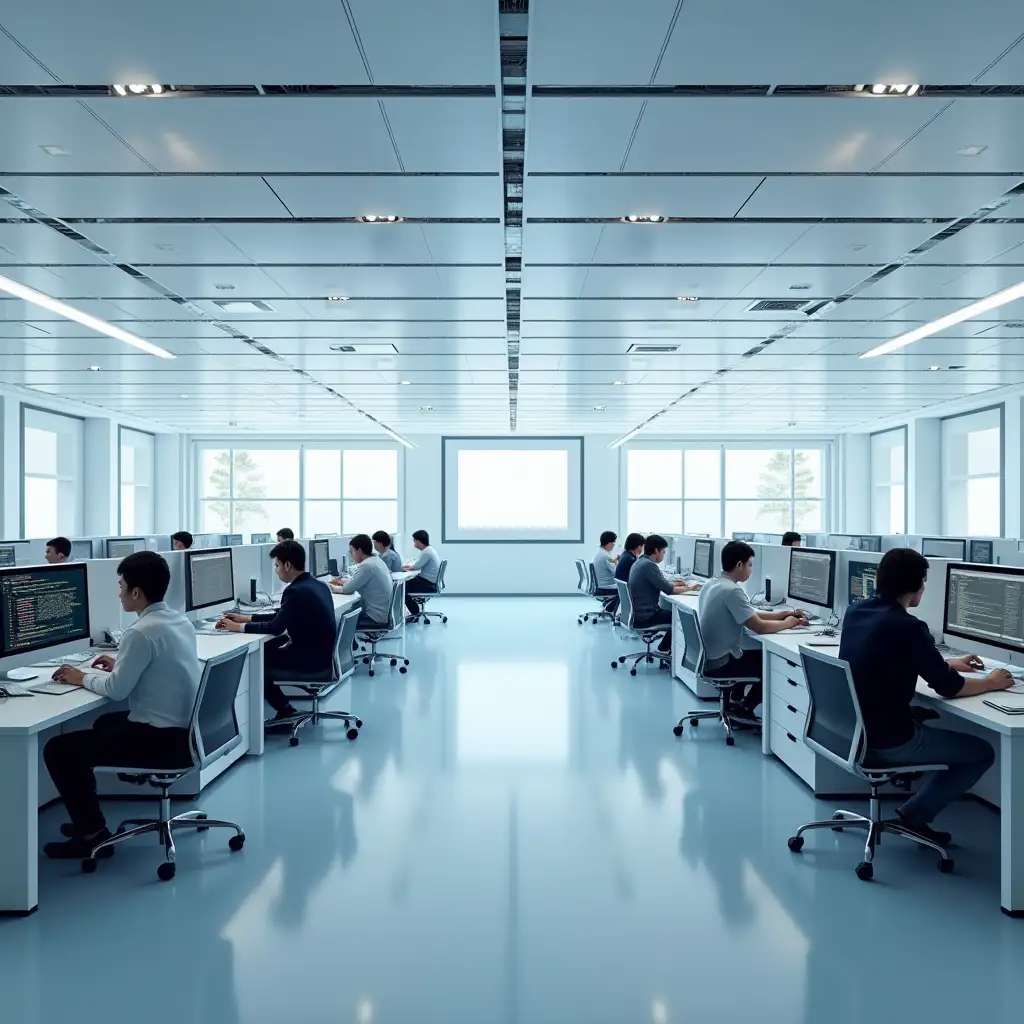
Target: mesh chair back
(625, 603)
(835, 726)
(693, 651)
(396, 615)
(593, 580)
(581, 571)
(343, 662)
(442, 569)
(213, 730)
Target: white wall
(511, 568)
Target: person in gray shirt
(604, 571)
(388, 555)
(428, 562)
(372, 579)
(646, 585)
(725, 612)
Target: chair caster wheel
(371, 673)
(837, 828)
(402, 669)
(359, 723)
(615, 664)
(426, 622)
(366, 661)
(394, 662)
(795, 844)
(235, 843)
(946, 865)
(695, 722)
(677, 730)
(444, 619)
(865, 871)
(293, 741)
(352, 734)
(730, 741)
(165, 872)
(89, 865)
(632, 671)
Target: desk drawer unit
(786, 668)
(788, 746)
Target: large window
(137, 482)
(719, 490)
(972, 474)
(311, 489)
(52, 466)
(889, 481)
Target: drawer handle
(789, 735)
(789, 707)
(791, 682)
(791, 664)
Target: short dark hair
(633, 540)
(61, 545)
(286, 533)
(901, 571)
(735, 552)
(654, 543)
(791, 537)
(422, 536)
(292, 552)
(148, 571)
(382, 537)
(361, 542)
(184, 536)
(609, 537)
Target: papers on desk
(1004, 706)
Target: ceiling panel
(160, 243)
(580, 134)
(693, 243)
(446, 134)
(76, 282)
(329, 243)
(36, 243)
(981, 243)
(859, 243)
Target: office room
(512, 511)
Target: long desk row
(784, 714)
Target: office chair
(647, 634)
(694, 658)
(605, 602)
(420, 600)
(316, 686)
(372, 637)
(835, 730)
(581, 584)
(213, 732)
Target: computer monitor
(812, 576)
(861, 581)
(259, 538)
(7, 556)
(748, 537)
(702, 553)
(866, 542)
(209, 578)
(122, 547)
(985, 603)
(981, 552)
(80, 549)
(232, 540)
(942, 547)
(43, 606)
(320, 536)
(318, 555)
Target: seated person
(646, 585)
(724, 611)
(792, 539)
(58, 550)
(181, 541)
(285, 533)
(306, 615)
(157, 670)
(634, 548)
(371, 579)
(887, 649)
(429, 564)
(604, 571)
(388, 555)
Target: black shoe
(68, 829)
(924, 831)
(282, 720)
(78, 847)
(664, 666)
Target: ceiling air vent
(371, 348)
(777, 306)
(244, 305)
(651, 350)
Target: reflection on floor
(517, 837)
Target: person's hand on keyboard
(69, 674)
(104, 662)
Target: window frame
(905, 431)
(121, 428)
(79, 480)
(945, 481)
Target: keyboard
(15, 690)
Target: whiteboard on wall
(512, 490)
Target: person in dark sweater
(634, 548)
(887, 649)
(646, 585)
(307, 617)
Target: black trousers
(749, 664)
(417, 585)
(71, 758)
(280, 661)
(662, 617)
(604, 592)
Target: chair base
(876, 828)
(314, 716)
(421, 610)
(164, 827)
(725, 714)
(371, 656)
(648, 656)
(596, 616)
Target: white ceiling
(222, 198)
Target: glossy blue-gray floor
(517, 837)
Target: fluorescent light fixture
(20, 291)
(396, 437)
(963, 151)
(950, 320)
(624, 438)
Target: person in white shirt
(371, 578)
(429, 565)
(157, 671)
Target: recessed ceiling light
(791, 423)
(165, 247)
(803, 287)
(642, 218)
(183, 396)
(963, 151)
(55, 151)
(878, 90)
(378, 218)
(93, 368)
(224, 287)
(138, 89)
(932, 367)
(337, 298)
(405, 382)
(686, 298)
(426, 408)
(600, 408)
(618, 383)
(232, 423)
(120, 90)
